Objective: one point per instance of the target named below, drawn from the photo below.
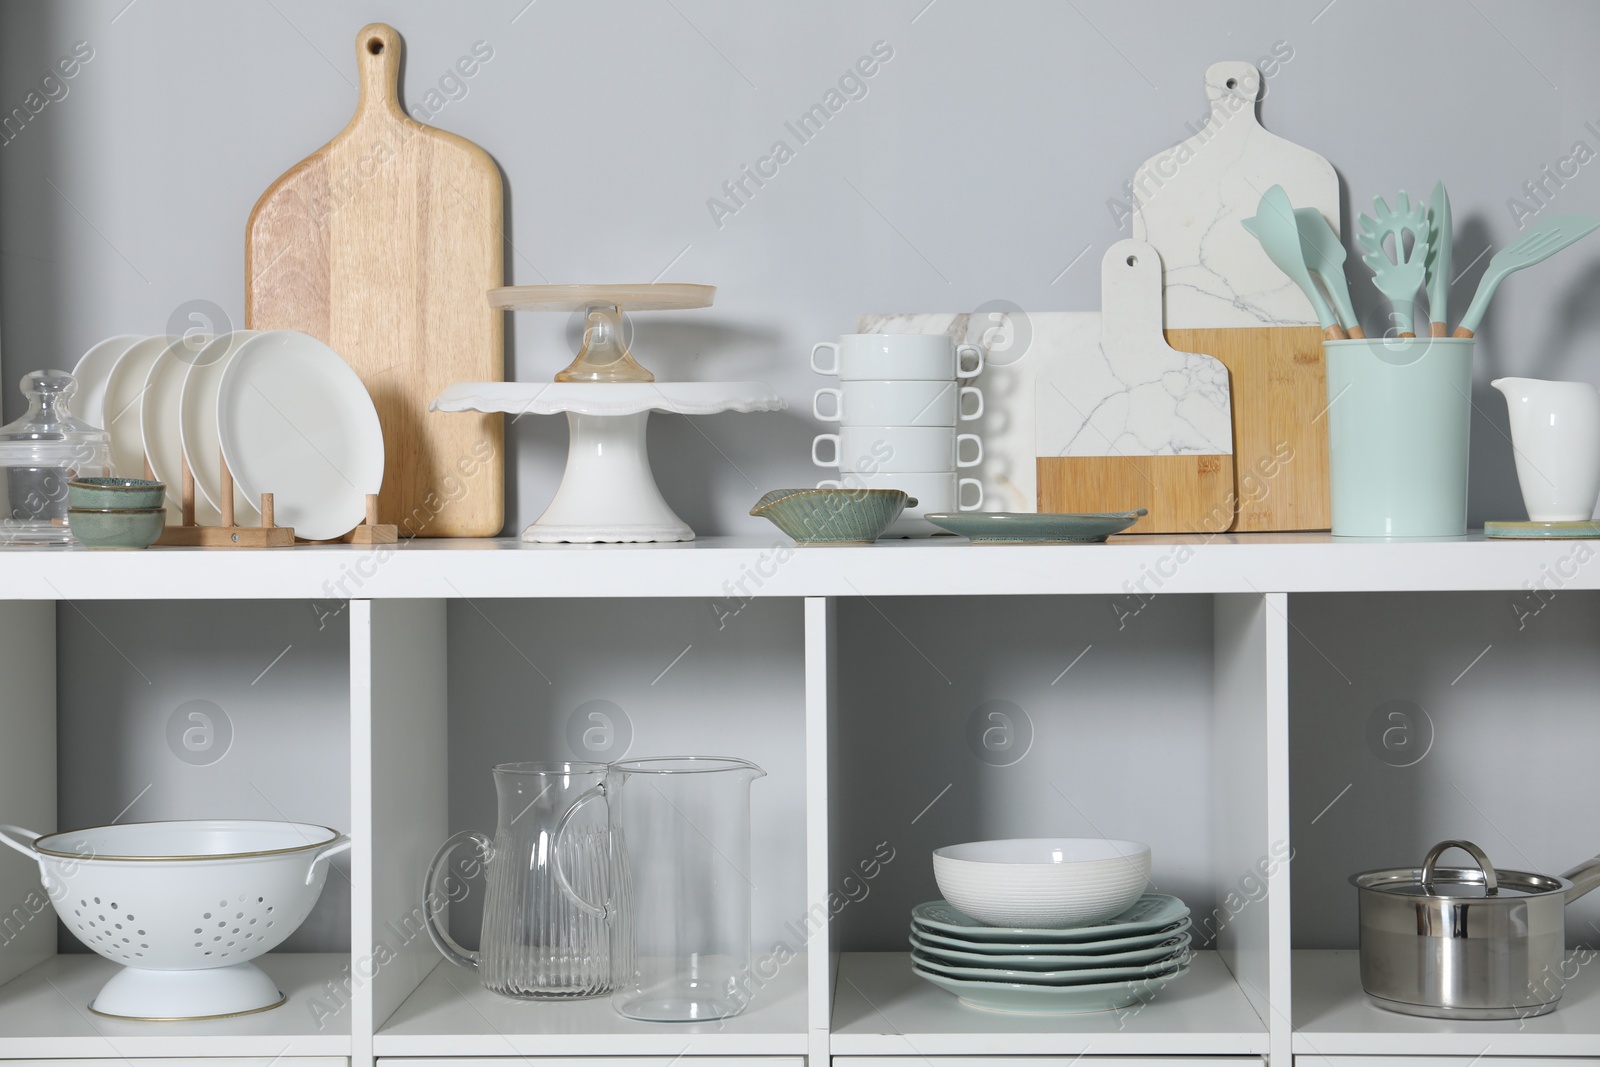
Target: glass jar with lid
(39, 454)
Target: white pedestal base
(608, 492)
(214, 993)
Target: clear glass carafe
(535, 942)
(683, 824)
(39, 454)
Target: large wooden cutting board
(1280, 427)
(1130, 421)
(383, 244)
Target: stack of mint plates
(1106, 965)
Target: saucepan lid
(1483, 882)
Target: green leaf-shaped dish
(833, 516)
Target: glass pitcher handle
(592, 793)
(433, 899)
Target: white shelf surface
(451, 1014)
(883, 1009)
(44, 1014)
(770, 565)
(1333, 1017)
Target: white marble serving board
(1188, 202)
(1125, 392)
(1020, 348)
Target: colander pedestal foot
(215, 992)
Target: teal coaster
(1542, 530)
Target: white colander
(183, 906)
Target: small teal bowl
(123, 494)
(833, 516)
(117, 527)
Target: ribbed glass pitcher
(683, 826)
(535, 942)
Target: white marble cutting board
(1126, 392)
(1020, 348)
(1188, 200)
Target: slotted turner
(1400, 278)
(1545, 239)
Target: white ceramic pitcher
(1555, 432)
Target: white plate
(296, 422)
(1050, 1000)
(158, 421)
(123, 404)
(197, 431)
(93, 371)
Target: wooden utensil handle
(1436, 329)
(1462, 331)
(1357, 333)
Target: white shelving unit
(1226, 691)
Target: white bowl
(1042, 882)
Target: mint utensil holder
(1399, 415)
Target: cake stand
(608, 492)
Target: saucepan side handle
(1584, 877)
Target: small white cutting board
(1126, 392)
(1188, 202)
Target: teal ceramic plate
(1053, 948)
(928, 944)
(1045, 999)
(1080, 976)
(1149, 913)
(1024, 528)
(1555, 531)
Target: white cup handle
(976, 504)
(969, 390)
(975, 351)
(829, 483)
(975, 439)
(818, 460)
(838, 405)
(834, 346)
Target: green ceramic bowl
(137, 494)
(833, 516)
(117, 527)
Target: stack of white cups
(899, 399)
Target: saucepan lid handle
(1491, 881)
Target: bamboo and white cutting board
(383, 244)
(1225, 298)
(1128, 422)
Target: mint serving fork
(1400, 278)
(1546, 237)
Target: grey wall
(978, 165)
(1106, 733)
(1420, 718)
(208, 710)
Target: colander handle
(434, 900)
(338, 845)
(25, 846)
(597, 792)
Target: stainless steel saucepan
(1465, 943)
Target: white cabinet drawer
(591, 1061)
(191, 1061)
(1053, 1061)
(1445, 1061)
